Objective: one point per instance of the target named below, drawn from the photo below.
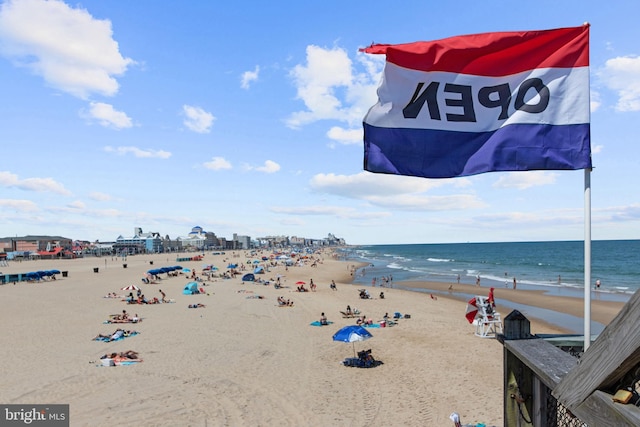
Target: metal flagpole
(587, 258)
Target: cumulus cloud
(596, 101)
(138, 152)
(524, 180)
(42, 185)
(326, 79)
(70, 49)
(249, 77)
(622, 74)
(269, 167)
(345, 136)
(217, 163)
(107, 116)
(197, 119)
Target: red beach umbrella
(301, 283)
(130, 288)
(472, 310)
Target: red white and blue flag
(507, 101)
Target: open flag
(507, 101)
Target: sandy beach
(243, 360)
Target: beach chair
(488, 322)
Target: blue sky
(246, 117)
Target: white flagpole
(587, 258)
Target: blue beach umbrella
(352, 333)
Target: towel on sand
(317, 323)
(106, 339)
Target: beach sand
(245, 361)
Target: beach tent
(258, 270)
(190, 288)
(249, 277)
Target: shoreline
(602, 311)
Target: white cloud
(101, 197)
(524, 180)
(329, 76)
(365, 184)
(345, 136)
(18, 205)
(596, 101)
(217, 163)
(323, 210)
(248, 77)
(138, 152)
(269, 167)
(622, 74)
(77, 205)
(415, 202)
(197, 119)
(107, 116)
(42, 185)
(70, 49)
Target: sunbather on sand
(282, 301)
(364, 321)
(112, 295)
(198, 305)
(119, 333)
(124, 317)
(123, 356)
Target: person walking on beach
(458, 279)
(478, 280)
(163, 296)
(514, 283)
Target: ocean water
(555, 267)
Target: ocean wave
(439, 260)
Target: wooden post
(532, 367)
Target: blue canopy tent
(190, 288)
(249, 277)
(258, 270)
